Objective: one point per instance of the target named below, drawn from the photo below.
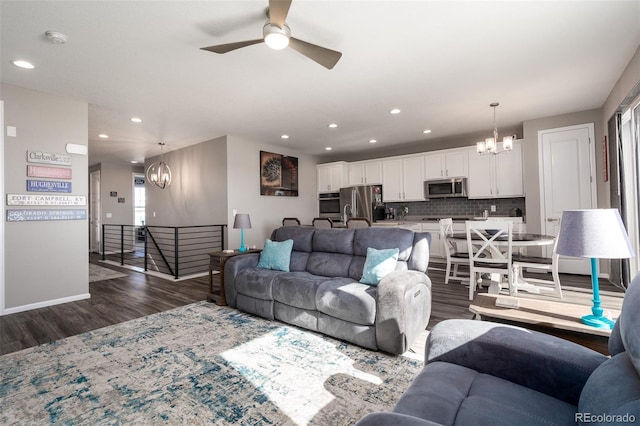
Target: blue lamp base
(242, 247)
(597, 320)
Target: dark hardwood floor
(121, 299)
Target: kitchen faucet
(344, 212)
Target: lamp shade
(593, 233)
(242, 221)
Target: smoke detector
(56, 37)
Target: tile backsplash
(463, 207)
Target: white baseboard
(46, 303)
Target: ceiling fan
(277, 35)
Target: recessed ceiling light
(372, 141)
(136, 119)
(328, 148)
(103, 136)
(23, 64)
(134, 162)
(284, 136)
(332, 125)
(426, 131)
(394, 111)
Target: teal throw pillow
(378, 264)
(276, 255)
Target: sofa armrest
(232, 266)
(403, 308)
(539, 361)
(395, 419)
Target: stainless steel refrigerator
(361, 201)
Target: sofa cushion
(329, 264)
(334, 240)
(630, 322)
(610, 390)
(451, 394)
(256, 282)
(297, 289)
(383, 238)
(276, 255)
(348, 300)
(379, 264)
(302, 236)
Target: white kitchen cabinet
(402, 179)
(496, 176)
(365, 172)
(442, 165)
(332, 176)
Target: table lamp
(242, 222)
(596, 234)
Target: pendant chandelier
(490, 145)
(159, 173)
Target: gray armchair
(488, 373)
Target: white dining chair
(547, 264)
(490, 251)
(454, 257)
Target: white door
(567, 173)
(95, 223)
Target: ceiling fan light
(275, 37)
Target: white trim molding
(44, 304)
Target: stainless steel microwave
(445, 188)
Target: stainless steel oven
(329, 205)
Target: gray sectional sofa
(483, 373)
(322, 292)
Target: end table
(217, 259)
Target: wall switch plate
(109, 215)
(11, 131)
(493, 208)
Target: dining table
(519, 241)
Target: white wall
(243, 159)
(46, 262)
(198, 191)
(116, 177)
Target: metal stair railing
(174, 250)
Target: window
(139, 199)
(630, 139)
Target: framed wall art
(278, 174)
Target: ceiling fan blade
(224, 48)
(325, 57)
(278, 10)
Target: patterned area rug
(98, 273)
(200, 363)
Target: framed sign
(48, 172)
(278, 174)
(46, 200)
(48, 186)
(48, 158)
(34, 215)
